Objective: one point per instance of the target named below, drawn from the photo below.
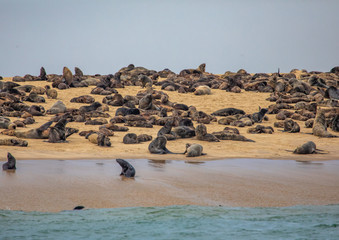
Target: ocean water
(174, 222)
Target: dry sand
(271, 146)
(57, 185)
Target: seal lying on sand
(227, 111)
(36, 133)
(10, 164)
(193, 150)
(158, 146)
(127, 169)
(13, 142)
(307, 148)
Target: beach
(265, 173)
(269, 146)
(57, 185)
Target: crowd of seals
(298, 96)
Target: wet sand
(54, 185)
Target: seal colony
(168, 108)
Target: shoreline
(57, 185)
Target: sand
(53, 185)
(270, 146)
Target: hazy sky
(103, 36)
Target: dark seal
(127, 169)
(10, 164)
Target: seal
(307, 148)
(184, 131)
(67, 75)
(145, 80)
(166, 131)
(231, 135)
(51, 93)
(130, 138)
(36, 133)
(59, 132)
(320, 126)
(158, 146)
(10, 164)
(127, 111)
(261, 129)
(201, 133)
(127, 169)
(146, 103)
(91, 107)
(228, 111)
(13, 142)
(78, 208)
(203, 90)
(193, 150)
(259, 116)
(291, 126)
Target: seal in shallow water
(10, 164)
(127, 169)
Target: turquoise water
(175, 222)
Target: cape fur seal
(203, 90)
(319, 125)
(193, 150)
(13, 142)
(130, 138)
(36, 133)
(259, 116)
(10, 164)
(51, 93)
(228, 111)
(307, 148)
(201, 133)
(67, 75)
(158, 146)
(127, 169)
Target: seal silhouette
(10, 164)
(127, 169)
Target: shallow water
(175, 222)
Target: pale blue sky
(103, 36)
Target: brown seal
(320, 127)
(201, 133)
(67, 75)
(36, 133)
